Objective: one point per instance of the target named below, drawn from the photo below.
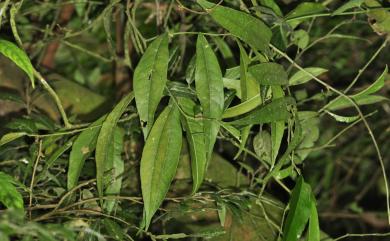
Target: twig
(379, 155)
(39, 154)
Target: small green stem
(55, 97)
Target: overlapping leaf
(159, 161)
(269, 74)
(277, 110)
(300, 208)
(150, 77)
(209, 89)
(82, 148)
(196, 139)
(248, 28)
(9, 196)
(105, 137)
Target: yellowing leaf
(11, 137)
(150, 77)
(159, 161)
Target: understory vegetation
(194, 120)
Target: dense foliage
(194, 120)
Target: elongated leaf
(374, 87)
(342, 103)
(11, 137)
(19, 57)
(295, 141)
(209, 89)
(313, 233)
(196, 140)
(9, 196)
(348, 5)
(272, 112)
(159, 161)
(345, 119)
(115, 167)
(150, 77)
(82, 148)
(277, 128)
(243, 108)
(300, 206)
(302, 77)
(246, 27)
(305, 9)
(269, 74)
(249, 88)
(225, 50)
(105, 137)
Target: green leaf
(114, 230)
(106, 136)
(159, 161)
(302, 77)
(277, 128)
(249, 88)
(380, 16)
(243, 108)
(9, 196)
(209, 89)
(114, 168)
(305, 9)
(295, 141)
(262, 146)
(300, 38)
(300, 207)
(82, 148)
(374, 87)
(196, 139)
(348, 5)
(310, 134)
(345, 119)
(19, 57)
(272, 5)
(342, 103)
(248, 84)
(313, 233)
(150, 77)
(11, 137)
(225, 50)
(274, 111)
(269, 74)
(54, 157)
(246, 27)
(303, 12)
